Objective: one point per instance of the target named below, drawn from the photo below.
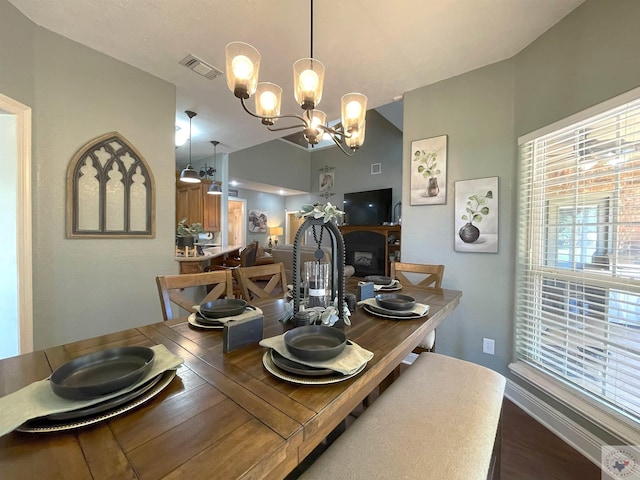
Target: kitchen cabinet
(196, 205)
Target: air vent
(200, 67)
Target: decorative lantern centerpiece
(320, 219)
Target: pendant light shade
(214, 188)
(189, 175)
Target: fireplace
(365, 251)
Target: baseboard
(585, 442)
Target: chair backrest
(174, 289)
(430, 275)
(248, 255)
(261, 281)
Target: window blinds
(578, 280)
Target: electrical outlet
(488, 345)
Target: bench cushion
(437, 421)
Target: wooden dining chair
(423, 275)
(261, 281)
(184, 290)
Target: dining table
(223, 415)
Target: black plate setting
(315, 342)
(395, 301)
(379, 280)
(224, 307)
(101, 373)
(298, 368)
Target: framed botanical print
(428, 166)
(476, 215)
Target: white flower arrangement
(326, 212)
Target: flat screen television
(372, 207)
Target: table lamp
(275, 232)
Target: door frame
(24, 242)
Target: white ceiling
(380, 48)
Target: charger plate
(193, 320)
(393, 315)
(273, 369)
(44, 425)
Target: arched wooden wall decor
(110, 191)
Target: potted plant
(476, 210)
(428, 167)
(186, 234)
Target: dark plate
(315, 342)
(394, 314)
(395, 301)
(102, 372)
(44, 424)
(224, 307)
(379, 279)
(106, 405)
(298, 368)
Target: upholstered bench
(437, 421)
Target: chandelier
(243, 66)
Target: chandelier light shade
(243, 65)
(189, 175)
(214, 188)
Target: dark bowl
(101, 373)
(224, 307)
(315, 342)
(395, 301)
(378, 279)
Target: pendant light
(189, 175)
(214, 188)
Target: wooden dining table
(223, 415)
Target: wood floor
(531, 452)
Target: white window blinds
(578, 281)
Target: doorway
(293, 224)
(237, 221)
(16, 301)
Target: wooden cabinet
(370, 250)
(196, 205)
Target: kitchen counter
(196, 264)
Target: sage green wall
(273, 163)
(592, 55)
(16, 54)
(383, 144)
(588, 57)
(83, 288)
(475, 110)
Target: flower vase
(432, 187)
(469, 233)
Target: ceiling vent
(200, 67)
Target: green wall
(82, 288)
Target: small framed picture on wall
(428, 166)
(476, 215)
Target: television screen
(372, 207)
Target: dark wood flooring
(532, 452)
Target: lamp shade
(243, 67)
(308, 80)
(214, 189)
(275, 231)
(189, 175)
(268, 100)
(353, 110)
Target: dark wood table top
(223, 416)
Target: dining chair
(182, 290)
(247, 258)
(261, 281)
(423, 275)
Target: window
(578, 281)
